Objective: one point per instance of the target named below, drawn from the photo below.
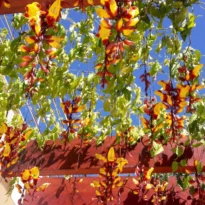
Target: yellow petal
(121, 163)
(98, 193)
(158, 108)
(196, 70)
(3, 128)
(132, 22)
(7, 4)
(158, 127)
(25, 175)
(102, 171)
(113, 7)
(7, 150)
(101, 157)
(14, 160)
(34, 172)
(111, 155)
(183, 104)
(91, 2)
(128, 31)
(196, 162)
(102, 13)
(95, 184)
(149, 173)
(54, 10)
(104, 33)
(148, 186)
(105, 23)
(145, 122)
(27, 134)
(103, 2)
(119, 24)
(136, 182)
(183, 90)
(43, 187)
(33, 10)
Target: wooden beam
(69, 159)
(71, 191)
(18, 6)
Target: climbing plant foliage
(127, 69)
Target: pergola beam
(72, 159)
(18, 6)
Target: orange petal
(183, 90)
(91, 2)
(145, 122)
(158, 108)
(195, 72)
(119, 24)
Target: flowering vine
(110, 174)
(120, 18)
(29, 178)
(41, 45)
(13, 140)
(145, 182)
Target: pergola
(77, 160)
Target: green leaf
(106, 105)
(156, 67)
(175, 166)
(179, 151)
(183, 162)
(156, 149)
(199, 167)
(198, 55)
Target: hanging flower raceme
(145, 183)
(12, 140)
(73, 122)
(188, 77)
(175, 101)
(153, 110)
(142, 181)
(40, 48)
(174, 98)
(110, 174)
(119, 18)
(30, 177)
